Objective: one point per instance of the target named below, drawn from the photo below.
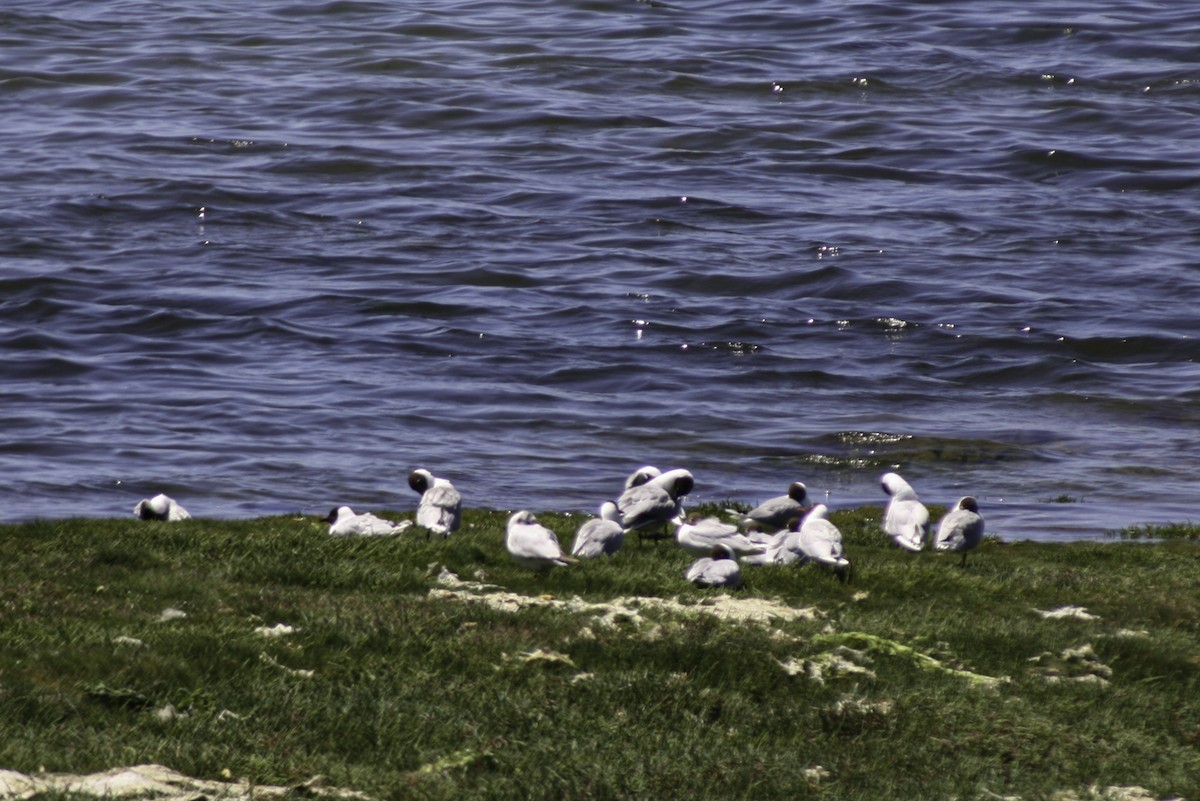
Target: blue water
(267, 257)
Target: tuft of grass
(1185, 531)
(404, 667)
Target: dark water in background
(270, 256)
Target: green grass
(917, 680)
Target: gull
(821, 542)
(781, 548)
(700, 535)
(778, 513)
(440, 509)
(600, 535)
(343, 522)
(160, 507)
(961, 529)
(906, 520)
(655, 503)
(640, 476)
(532, 544)
(718, 570)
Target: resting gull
(961, 529)
(343, 522)
(699, 535)
(718, 570)
(532, 544)
(778, 513)
(600, 535)
(821, 542)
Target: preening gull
(778, 513)
(655, 503)
(160, 507)
(343, 522)
(600, 535)
(822, 543)
(699, 535)
(440, 509)
(961, 529)
(640, 476)
(532, 544)
(906, 520)
(718, 570)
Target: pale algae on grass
(266, 653)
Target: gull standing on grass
(906, 520)
(778, 513)
(600, 535)
(821, 541)
(160, 507)
(655, 503)
(440, 509)
(961, 529)
(532, 544)
(343, 522)
(718, 570)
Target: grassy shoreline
(268, 651)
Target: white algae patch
(1067, 613)
(1079, 665)
(152, 781)
(622, 610)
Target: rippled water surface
(270, 256)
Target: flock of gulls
(782, 530)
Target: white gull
(532, 544)
(160, 507)
(440, 508)
(906, 520)
(343, 522)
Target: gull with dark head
(961, 529)
(440, 509)
(160, 507)
(906, 520)
(719, 569)
(600, 535)
(775, 514)
(343, 522)
(533, 545)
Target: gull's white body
(821, 541)
(440, 508)
(699, 535)
(532, 544)
(906, 520)
(343, 522)
(160, 507)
